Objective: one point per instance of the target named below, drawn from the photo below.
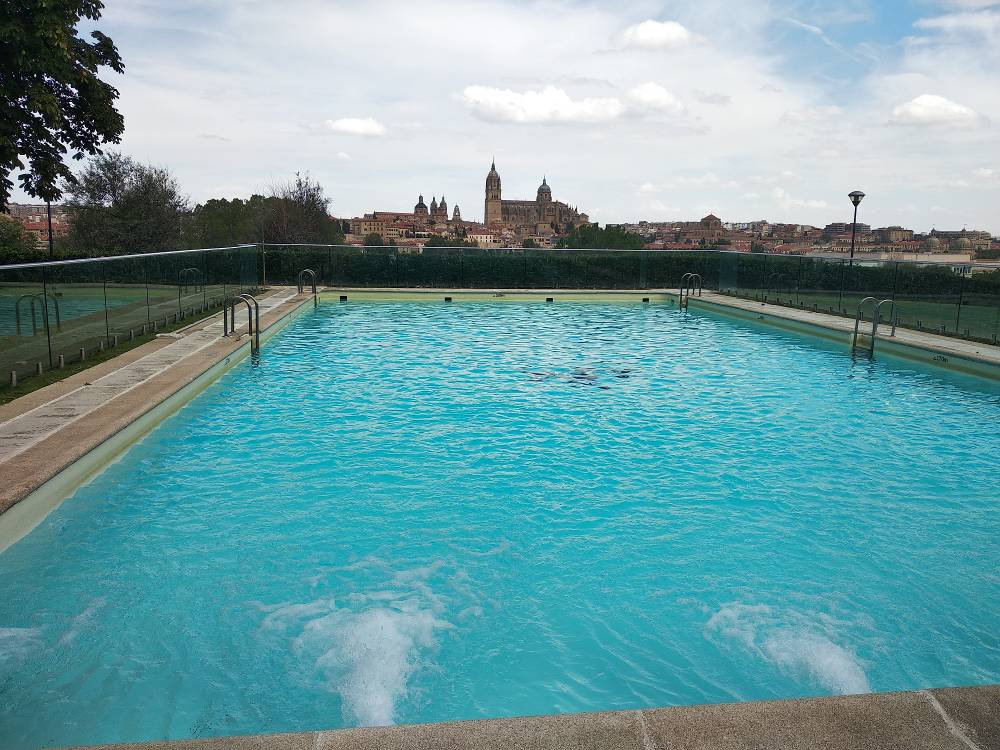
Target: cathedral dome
(544, 191)
(962, 244)
(932, 244)
(421, 207)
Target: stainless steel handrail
(301, 280)
(876, 319)
(42, 298)
(688, 281)
(253, 319)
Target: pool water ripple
(423, 512)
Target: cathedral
(542, 216)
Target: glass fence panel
(23, 324)
(77, 294)
(781, 280)
(59, 314)
(363, 266)
(127, 308)
(819, 284)
(864, 279)
(434, 267)
(979, 316)
(664, 270)
(282, 265)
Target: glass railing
(476, 268)
(63, 312)
(954, 299)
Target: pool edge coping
(959, 718)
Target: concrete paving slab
(620, 730)
(975, 712)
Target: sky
(751, 109)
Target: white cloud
(708, 97)
(931, 109)
(985, 172)
(343, 156)
(787, 202)
(665, 35)
(653, 96)
(706, 180)
(368, 126)
(986, 22)
(821, 114)
(549, 105)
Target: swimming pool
(425, 511)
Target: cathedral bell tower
(492, 213)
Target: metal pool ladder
(42, 300)
(253, 319)
(876, 317)
(690, 282)
(312, 277)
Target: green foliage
(17, 244)
(295, 212)
(121, 206)
(373, 240)
(220, 222)
(51, 99)
(592, 237)
(529, 244)
(298, 212)
(436, 240)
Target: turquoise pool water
(425, 511)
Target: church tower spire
(493, 213)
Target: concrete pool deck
(965, 718)
(53, 439)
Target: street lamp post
(855, 197)
(48, 208)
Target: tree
(592, 237)
(373, 240)
(436, 240)
(122, 206)
(16, 242)
(299, 213)
(51, 99)
(529, 244)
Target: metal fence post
(961, 294)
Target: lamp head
(856, 197)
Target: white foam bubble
(802, 645)
(368, 657)
(367, 645)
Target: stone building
(542, 216)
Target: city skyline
(655, 112)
